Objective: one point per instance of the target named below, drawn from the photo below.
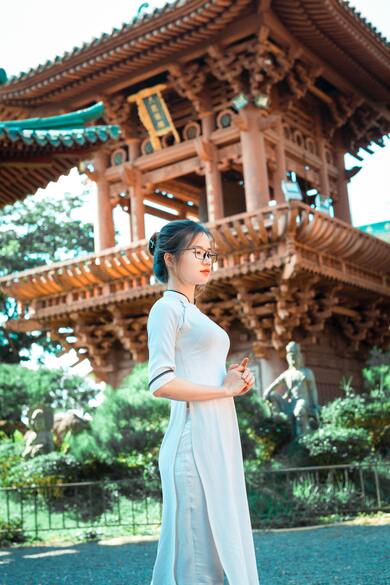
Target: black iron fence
(284, 497)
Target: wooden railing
(326, 242)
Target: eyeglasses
(201, 254)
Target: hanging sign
(154, 114)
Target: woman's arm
(181, 389)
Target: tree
(35, 232)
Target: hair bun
(153, 243)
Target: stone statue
(294, 393)
(39, 438)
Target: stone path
(333, 555)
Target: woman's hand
(238, 373)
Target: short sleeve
(162, 326)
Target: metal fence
(283, 497)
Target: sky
(34, 31)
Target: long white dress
(183, 342)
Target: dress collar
(178, 294)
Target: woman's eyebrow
(209, 249)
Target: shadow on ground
(345, 555)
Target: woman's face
(193, 270)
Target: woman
(206, 529)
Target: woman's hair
(173, 237)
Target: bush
(320, 499)
(332, 445)
(262, 435)
(376, 374)
(10, 457)
(369, 412)
(384, 442)
(43, 476)
(130, 421)
(44, 470)
(11, 532)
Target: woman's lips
(206, 271)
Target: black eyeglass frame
(213, 256)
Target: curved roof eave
(166, 31)
(340, 36)
(330, 28)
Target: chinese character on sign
(154, 114)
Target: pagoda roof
(332, 30)
(35, 151)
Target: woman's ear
(168, 259)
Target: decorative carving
(253, 72)
(206, 150)
(342, 107)
(191, 130)
(226, 66)
(118, 157)
(367, 125)
(225, 118)
(300, 78)
(365, 325)
(117, 110)
(189, 82)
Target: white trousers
(197, 561)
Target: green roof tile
(64, 130)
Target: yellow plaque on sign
(154, 114)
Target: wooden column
(104, 231)
(281, 168)
(323, 170)
(253, 159)
(132, 177)
(207, 152)
(134, 151)
(324, 178)
(341, 206)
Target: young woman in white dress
(206, 531)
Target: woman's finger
(244, 362)
(232, 366)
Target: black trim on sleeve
(162, 373)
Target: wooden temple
(235, 113)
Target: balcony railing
(326, 244)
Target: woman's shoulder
(167, 308)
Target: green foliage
(44, 470)
(127, 427)
(10, 456)
(42, 230)
(280, 500)
(47, 477)
(332, 445)
(34, 232)
(369, 411)
(319, 499)
(11, 532)
(22, 388)
(377, 372)
(262, 435)
(360, 411)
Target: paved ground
(333, 555)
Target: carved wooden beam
(118, 110)
(190, 83)
(300, 79)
